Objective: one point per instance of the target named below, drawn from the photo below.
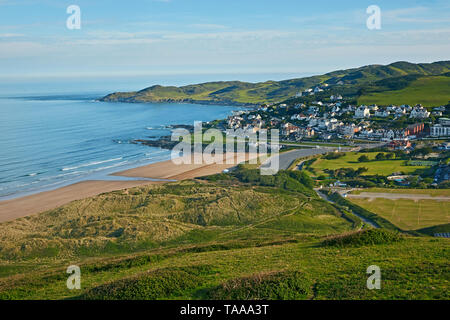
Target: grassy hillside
(429, 91)
(236, 92)
(235, 236)
(415, 268)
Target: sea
(54, 131)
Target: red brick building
(414, 129)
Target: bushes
(363, 158)
(296, 181)
(363, 238)
(360, 183)
(286, 285)
(159, 284)
(334, 155)
(346, 172)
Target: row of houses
(417, 112)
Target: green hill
(229, 238)
(235, 92)
(426, 90)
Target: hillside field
(428, 91)
(236, 236)
(346, 82)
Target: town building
(419, 112)
(438, 130)
(362, 112)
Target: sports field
(431, 192)
(408, 214)
(350, 160)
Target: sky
(170, 37)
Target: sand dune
(36, 203)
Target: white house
(362, 112)
(382, 113)
(419, 112)
(317, 90)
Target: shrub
(159, 284)
(380, 156)
(363, 158)
(363, 238)
(334, 155)
(285, 285)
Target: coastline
(166, 170)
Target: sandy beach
(172, 171)
(40, 202)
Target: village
(333, 119)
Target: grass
(227, 239)
(428, 91)
(147, 217)
(287, 285)
(363, 238)
(377, 220)
(431, 192)
(350, 160)
(408, 214)
(415, 268)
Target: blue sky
(151, 37)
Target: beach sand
(172, 171)
(35, 203)
(40, 202)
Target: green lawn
(431, 192)
(350, 160)
(408, 214)
(429, 91)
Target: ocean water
(51, 140)
(53, 132)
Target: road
(287, 158)
(365, 220)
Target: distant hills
(363, 84)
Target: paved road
(365, 220)
(396, 196)
(286, 158)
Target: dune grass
(210, 240)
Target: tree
(363, 158)
(390, 156)
(361, 170)
(380, 156)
